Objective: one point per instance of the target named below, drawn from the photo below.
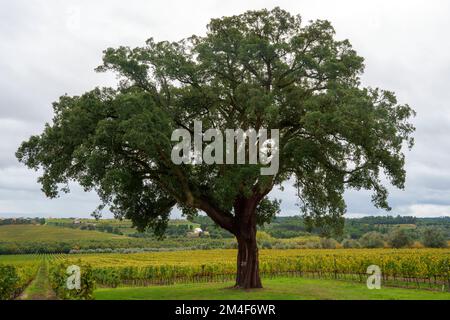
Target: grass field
(11, 233)
(277, 289)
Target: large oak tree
(260, 69)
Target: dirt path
(39, 288)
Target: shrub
(280, 245)
(434, 238)
(263, 236)
(351, 244)
(312, 245)
(399, 238)
(328, 243)
(266, 245)
(372, 239)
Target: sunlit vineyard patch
(426, 267)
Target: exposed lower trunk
(243, 225)
(247, 261)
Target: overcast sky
(48, 48)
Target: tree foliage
(399, 238)
(372, 239)
(259, 69)
(433, 237)
(351, 244)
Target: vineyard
(419, 268)
(16, 272)
(426, 267)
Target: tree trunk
(247, 276)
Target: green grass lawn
(50, 233)
(277, 289)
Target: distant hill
(294, 226)
(25, 232)
(66, 229)
(66, 235)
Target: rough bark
(247, 276)
(243, 225)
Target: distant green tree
(372, 239)
(433, 237)
(259, 69)
(399, 238)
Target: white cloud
(424, 210)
